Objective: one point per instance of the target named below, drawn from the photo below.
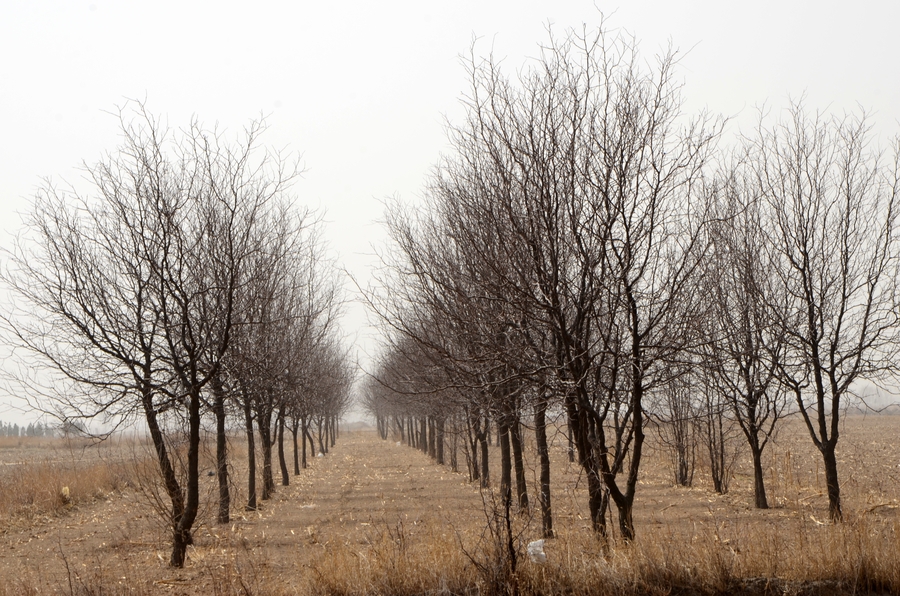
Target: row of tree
(186, 291)
(34, 429)
(587, 248)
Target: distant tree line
(190, 292)
(588, 253)
(34, 429)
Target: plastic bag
(536, 551)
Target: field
(376, 517)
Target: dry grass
(690, 540)
(858, 556)
(46, 477)
(377, 518)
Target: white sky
(361, 89)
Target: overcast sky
(362, 89)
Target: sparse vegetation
(377, 518)
(586, 268)
(42, 477)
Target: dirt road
(363, 489)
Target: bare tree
(741, 343)
(568, 213)
(131, 294)
(832, 228)
(676, 416)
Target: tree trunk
(251, 457)
(598, 501)
(626, 519)
(432, 447)
(439, 441)
(540, 432)
(515, 437)
(170, 480)
(399, 424)
(264, 425)
(831, 481)
(335, 430)
(423, 444)
(294, 428)
(319, 436)
(182, 537)
(309, 439)
(759, 487)
(221, 452)
(304, 433)
(454, 443)
(597, 497)
(485, 476)
(505, 459)
(282, 463)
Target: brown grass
(376, 518)
(858, 556)
(42, 477)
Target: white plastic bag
(536, 552)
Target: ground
(364, 487)
(367, 493)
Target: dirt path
(363, 489)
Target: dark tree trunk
(485, 475)
(182, 537)
(759, 487)
(597, 497)
(282, 463)
(831, 481)
(294, 428)
(515, 437)
(423, 444)
(319, 425)
(454, 447)
(251, 457)
(439, 441)
(624, 500)
(334, 430)
(304, 433)
(540, 432)
(170, 481)
(223, 516)
(432, 446)
(505, 459)
(264, 425)
(472, 449)
(398, 422)
(309, 439)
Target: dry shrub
(50, 487)
(390, 563)
(795, 556)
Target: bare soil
(361, 489)
(367, 490)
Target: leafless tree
(832, 228)
(567, 214)
(132, 293)
(675, 413)
(741, 343)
